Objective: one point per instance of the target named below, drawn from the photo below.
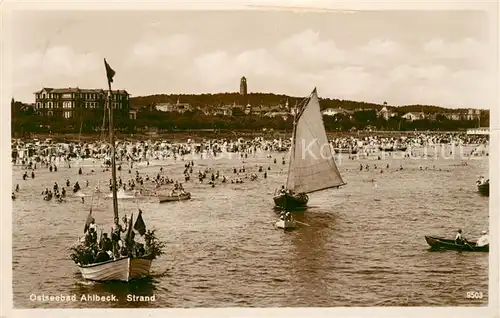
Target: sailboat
(311, 165)
(116, 268)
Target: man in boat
(91, 237)
(102, 250)
(92, 225)
(483, 240)
(481, 180)
(459, 238)
(282, 190)
(105, 244)
(116, 230)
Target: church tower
(243, 86)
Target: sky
(444, 58)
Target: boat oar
(470, 246)
(302, 223)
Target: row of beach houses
(285, 111)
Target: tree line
(25, 120)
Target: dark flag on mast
(110, 73)
(89, 220)
(139, 225)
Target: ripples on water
(365, 244)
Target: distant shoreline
(211, 134)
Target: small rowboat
(170, 198)
(438, 243)
(286, 224)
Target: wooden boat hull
(447, 244)
(122, 269)
(285, 225)
(170, 198)
(291, 202)
(484, 189)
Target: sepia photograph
(264, 158)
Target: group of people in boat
(110, 248)
(286, 216)
(285, 191)
(482, 180)
(178, 190)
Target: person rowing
(459, 237)
(460, 240)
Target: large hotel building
(74, 102)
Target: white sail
(312, 166)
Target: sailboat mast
(113, 152)
(292, 146)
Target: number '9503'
(475, 295)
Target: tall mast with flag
(125, 265)
(110, 73)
